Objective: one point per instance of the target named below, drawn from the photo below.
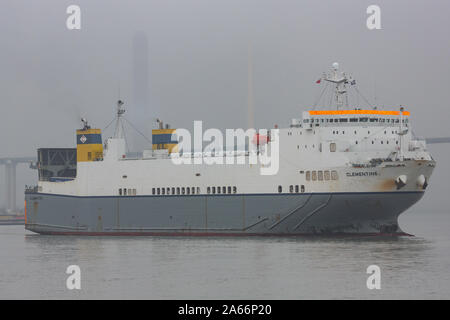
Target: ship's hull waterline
(356, 213)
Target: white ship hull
(343, 171)
(370, 206)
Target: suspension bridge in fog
(10, 181)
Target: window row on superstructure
(293, 189)
(176, 191)
(321, 175)
(191, 190)
(221, 190)
(368, 132)
(318, 121)
(127, 192)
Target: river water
(34, 266)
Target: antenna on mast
(118, 132)
(86, 126)
(339, 80)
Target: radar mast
(119, 132)
(339, 79)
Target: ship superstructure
(341, 171)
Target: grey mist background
(188, 60)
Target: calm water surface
(33, 266)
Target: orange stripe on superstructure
(354, 112)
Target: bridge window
(153, 190)
(291, 188)
(120, 191)
(198, 190)
(163, 191)
(302, 188)
(308, 175)
(343, 120)
(280, 189)
(124, 192)
(353, 120)
(334, 175)
(158, 191)
(363, 119)
(326, 175)
(333, 147)
(314, 175)
(208, 190)
(183, 190)
(296, 188)
(178, 190)
(234, 189)
(229, 189)
(213, 190)
(188, 190)
(320, 175)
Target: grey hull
(257, 214)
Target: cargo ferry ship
(341, 171)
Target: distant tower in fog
(139, 106)
(250, 109)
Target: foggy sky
(197, 66)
